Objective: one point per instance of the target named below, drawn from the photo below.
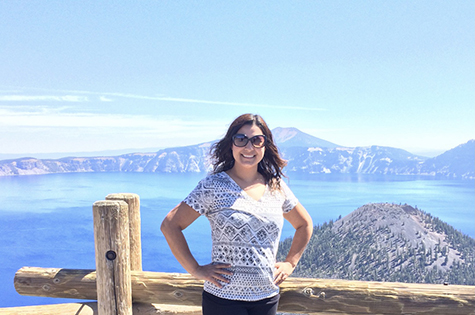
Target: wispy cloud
(29, 117)
(30, 98)
(105, 97)
(63, 131)
(222, 103)
(185, 100)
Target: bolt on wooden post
(111, 234)
(133, 201)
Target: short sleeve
(290, 200)
(201, 198)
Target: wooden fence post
(111, 234)
(133, 201)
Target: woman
(245, 200)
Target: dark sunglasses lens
(258, 141)
(240, 140)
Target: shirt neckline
(243, 192)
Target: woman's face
(248, 156)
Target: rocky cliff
(304, 154)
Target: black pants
(213, 305)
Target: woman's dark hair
(271, 165)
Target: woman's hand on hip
(282, 271)
(214, 273)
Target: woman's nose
(249, 143)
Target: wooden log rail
(91, 308)
(298, 295)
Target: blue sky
(84, 76)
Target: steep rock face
(361, 160)
(138, 162)
(174, 160)
(388, 242)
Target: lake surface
(46, 220)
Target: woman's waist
(246, 283)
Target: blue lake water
(46, 220)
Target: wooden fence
(121, 287)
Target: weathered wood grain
(91, 309)
(298, 295)
(111, 235)
(133, 202)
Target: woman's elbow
(307, 223)
(166, 226)
(307, 227)
(310, 225)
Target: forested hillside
(388, 242)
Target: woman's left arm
(302, 222)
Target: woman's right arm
(178, 219)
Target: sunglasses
(241, 140)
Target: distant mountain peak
(293, 137)
(284, 134)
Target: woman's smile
(248, 156)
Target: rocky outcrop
(388, 242)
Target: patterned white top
(245, 233)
